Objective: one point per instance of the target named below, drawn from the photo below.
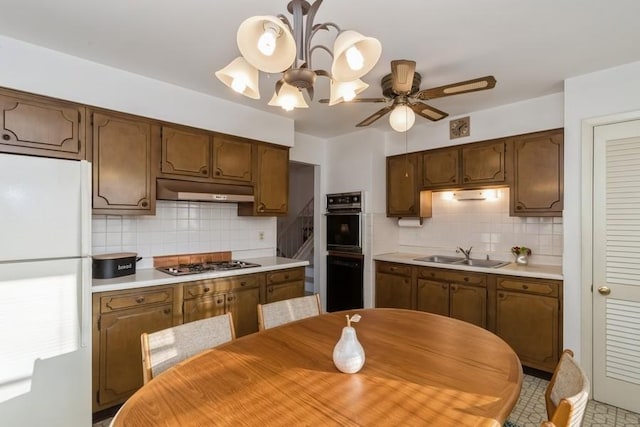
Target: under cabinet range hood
(169, 189)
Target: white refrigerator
(45, 287)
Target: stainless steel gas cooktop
(205, 267)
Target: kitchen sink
(481, 263)
(444, 259)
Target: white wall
(609, 92)
(35, 69)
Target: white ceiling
(530, 46)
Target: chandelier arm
(309, 31)
(319, 46)
(285, 20)
(298, 28)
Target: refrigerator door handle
(85, 303)
(85, 208)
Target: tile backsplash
(185, 227)
(483, 224)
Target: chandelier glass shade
(274, 44)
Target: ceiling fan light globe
(240, 73)
(249, 34)
(368, 47)
(402, 118)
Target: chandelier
(273, 44)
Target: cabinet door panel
(185, 153)
(433, 297)
(393, 291)
(483, 163)
(469, 303)
(122, 178)
(440, 168)
(204, 307)
(30, 125)
(243, 307)
(120, 355)
(538, 174)
(232, 159)
(529, 324)
(285, 291)
(272, 196)
(402, 188)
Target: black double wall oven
(345, 260)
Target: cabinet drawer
(285, 276)
(135, 299)
(452, 276)
(211, 286)
(533, 287)
(391, 268)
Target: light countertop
(532, 270)
(153, 277)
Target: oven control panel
(344, 201)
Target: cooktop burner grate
(178, 270)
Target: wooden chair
(567, 394)
(165, 348)
(285, 311)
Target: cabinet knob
(229, 299)
(604, 290)
(525, 287)
(500, 295)
(519, 207)
(454, 288)
(286, 277)
(466, 279)
(392, 269)
(444, 286)
(453, 180)
(466, 179)
(220, 301)
(205, 172)
(207, 289)
(167, 310)
(6, 136)
(406, 281)
(243, 283)
(140, 300)
(218, 173)
(270, 289)
(144, 204)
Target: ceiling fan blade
(427, 111)
(402, 71)
(375, 116)
(482, 83)
(326, 101)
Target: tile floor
(530, 409)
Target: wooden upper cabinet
(484, 163)
(404, 198)
(232, 159)
(40, 126)
(185, 153)
(537, 188)
(271, 180)
(123, 181)
(441, 168)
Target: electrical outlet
(261, 235)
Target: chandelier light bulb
(267, 41)
(348, 94)
(288, 103)
(354, 58)
(239, 84)
(402, 118)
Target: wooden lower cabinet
(238, 295)
(528, 318)
(525, 312)
(119, 319)
(284, 284)
(459, 295)
(394, 285)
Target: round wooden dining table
(420, 369)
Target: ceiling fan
(402, 88)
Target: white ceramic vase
(348, 354)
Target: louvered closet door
(616, 265)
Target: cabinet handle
(140, 300)
(207, 289)
(454, 288)
(270, 289)
(525, 287)
(453, 180)
(220, 301)
(466, 279)
(392, 269)
(229, 299)
(243, 283)
(6, 136)
(167, 310)
(205, 172)
(144, 203)
(218, 173)
(261, 207)
(519, 207)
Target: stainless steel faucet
(466, 253)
